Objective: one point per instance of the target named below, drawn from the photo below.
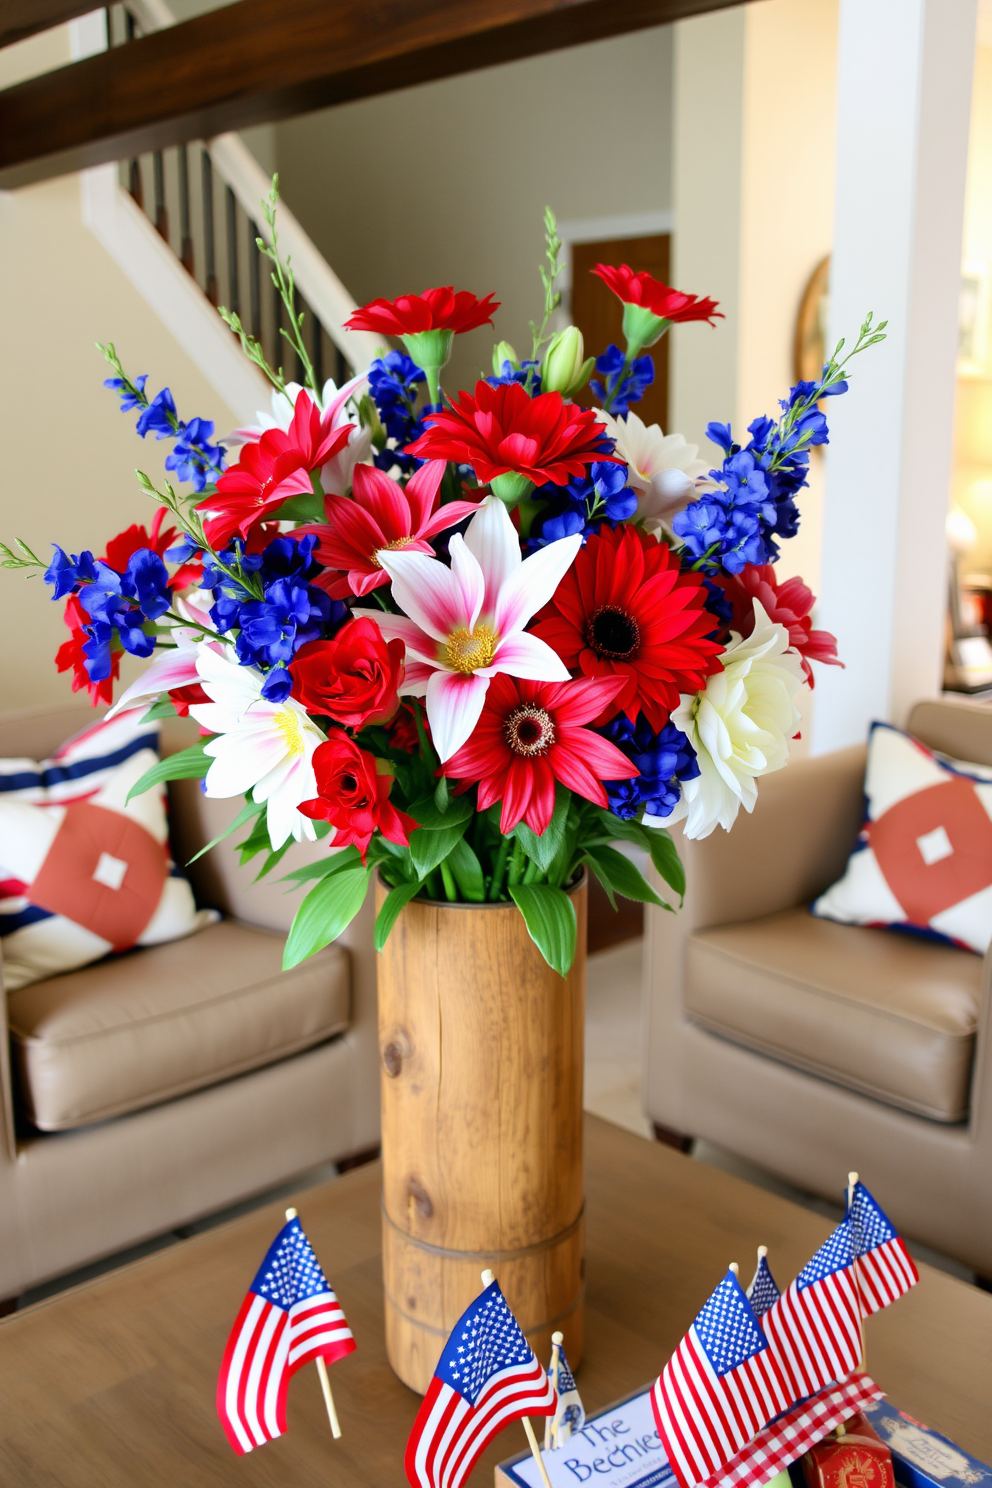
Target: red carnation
(434, 310)
(354, 797)
(352, 678)
(271, 471)
(788, 603)
(650, 294)
(530, 734)
(501, 431)
(626, 609)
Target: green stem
(499, 869)
(432, 886)
(450, 887)
(531, 872)
(517, 863)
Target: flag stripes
(815, 1331)
(454, 1433)
(704, 1418)
(885, 1274)
(785, 1440)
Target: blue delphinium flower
(287, 612)
(664, 760)
(123, 604)
(621, 387)
(67, 571)
(757, 484)
(393, 384)
(195, 458)
(509, 373)
(583, 504)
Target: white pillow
(83, 871)
(923, 859)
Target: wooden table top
(112, 1384)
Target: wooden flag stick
(535, 1449)
(487, 1280)
(557, 1339)
(852, 1183)
(325, 1383)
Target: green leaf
(328, 909)
(273, 860)
(257, 841)
(348, 857)
(430, 846)
(426, 812)
(441, 796)
(306, 508)
(617, 829)
(544, 848)
(162, 707)
(618, 875)
(665, 857)
(249, 809)
(188, 764)
(395, 901)
(550, 919)
(467, 871)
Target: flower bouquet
(470, 641)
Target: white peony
(739, 725)
(661, 468)
(262, 747)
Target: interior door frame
(592, 230)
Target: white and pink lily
(262, 747)
(464, 624)
(172, 668)
(335, 476)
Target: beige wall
(69, 454)
(972, 480)
(446, 183)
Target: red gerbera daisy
(434, 310)
(530, 734)
(271, 471)
(501, 431)
(788, 604)
(626, 609)
(650, 294)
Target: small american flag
(815, 1326)
(487, 1376)
(762, 1292)
(885, 1269)
(719, 1388)
(289, 1318)
(785, 1439)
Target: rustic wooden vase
(482, 1061)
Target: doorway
(599, 314)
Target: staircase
(183, 223)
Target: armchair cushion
(887, 1015)
(156, 1023)
(923, 859)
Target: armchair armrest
(793, 845)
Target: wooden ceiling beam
(20, 18)
(257, 61)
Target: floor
(612, 1082)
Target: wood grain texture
(253, 62)
(112, 1385)
(482, 1062)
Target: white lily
(740, 726)
(335, 476)
(661, 468)
(465, 623)
(262, 747)
(175, 667)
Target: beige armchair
(810, 1047)
(177, 1079)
